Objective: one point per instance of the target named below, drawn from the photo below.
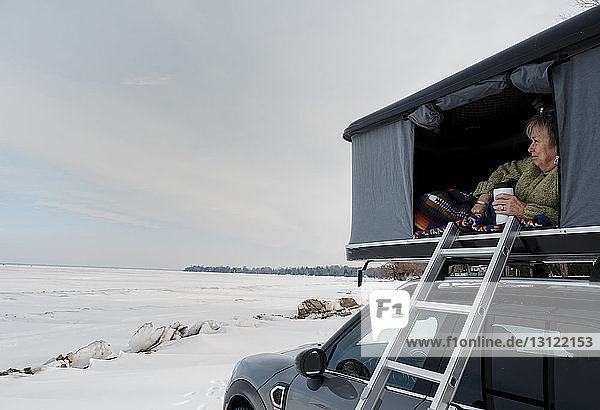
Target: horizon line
(85, 266)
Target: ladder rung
(443, 307)
(487, 251)
(414, 371)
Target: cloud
(98, 214)
(147, 79)
(218, 126)
(182, 165)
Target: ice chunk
(193, 329)
(167, 334)
(95, 350)
(211, 326)
(145, 338)
(178, 331)
(181, 330)
(160, 332)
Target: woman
(536, 191)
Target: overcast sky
(170, 133)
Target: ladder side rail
(434, 265)
(374, 388)
(472, 327)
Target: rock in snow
(324, 308)
(348, 303)
(95, 350)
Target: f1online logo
(389, 310)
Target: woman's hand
(505, 204)
(480, 208)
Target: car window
(426, 327)
(561, 381)
(356, 354)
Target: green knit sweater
(537, 189)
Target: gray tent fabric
(577, 97)
(427, 116)
(382, 178)
(533, 78)
(491, 86)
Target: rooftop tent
(456, 132)
(382, 166)
(577, 88)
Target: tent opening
(473, 141)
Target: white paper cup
(501, 219)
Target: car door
(352, 358)
(531, 379)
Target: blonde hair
(545, 118)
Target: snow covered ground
(47, 311)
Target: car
(332, 375)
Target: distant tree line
(329, 270)
(393, 270)
(587, 4)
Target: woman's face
(541, 149)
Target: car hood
(259, 368)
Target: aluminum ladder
(447, 381)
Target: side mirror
(311, 363)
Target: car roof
(559, 300)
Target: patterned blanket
(433, 212)
(438, 208)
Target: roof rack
(542, 245)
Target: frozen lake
(47, 311)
